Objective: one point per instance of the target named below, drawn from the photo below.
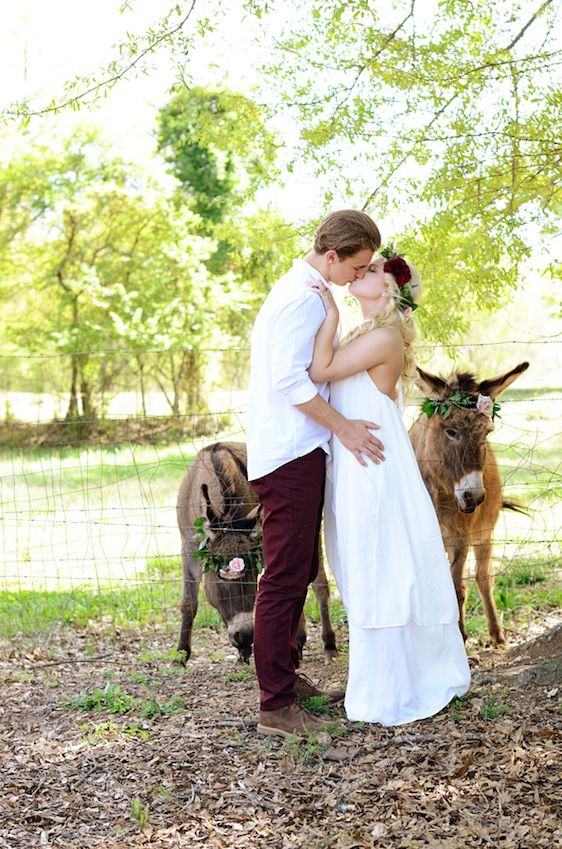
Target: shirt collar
(313, 273)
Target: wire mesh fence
(89, 530)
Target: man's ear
(331, 256)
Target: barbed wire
(102, 352)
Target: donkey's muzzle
(241, 633)
(243, 637)
(470, 492)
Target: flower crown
(397, 266)
(229, 568)
(484, 404)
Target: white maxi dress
(406, 655)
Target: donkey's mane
(233, 480)
(463, 382)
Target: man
(289, 425)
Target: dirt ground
(484, 772)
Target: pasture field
(89, 533)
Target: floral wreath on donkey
(484, 404)
(229, 569)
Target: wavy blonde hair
(392, 316)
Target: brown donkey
(461, 474)
(216, 494)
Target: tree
(221, 152)
(218, 148)
(111, 269)
(453, 122)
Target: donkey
(216, 488)
(460, 471)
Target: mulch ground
(484, 772)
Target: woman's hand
(327, 298)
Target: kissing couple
(315, 409)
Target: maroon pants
(292, 498)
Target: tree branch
(531, 20)
(110, 81)
(391, 36)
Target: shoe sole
(269, 731)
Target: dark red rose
(399, 269)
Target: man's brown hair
(346, 231)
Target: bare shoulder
(388, 338)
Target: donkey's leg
(485, 582)
(322, 592)
(301, 639)
(188, 607)
(457, 558)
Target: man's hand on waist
(356, 436)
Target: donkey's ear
(496, 385)
(430, 383)
(212, 517)
(255, 513)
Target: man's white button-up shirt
(282, 348)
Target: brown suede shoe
(291, 719)
(304, 689)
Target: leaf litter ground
(167, 757)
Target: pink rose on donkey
(485, 405)
(234, 569)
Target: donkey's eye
(452, 433)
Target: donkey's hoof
(330, 655)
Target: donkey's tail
(516, 506)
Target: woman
(406, 654)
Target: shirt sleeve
(292, 346)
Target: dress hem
(427, 713)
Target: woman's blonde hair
(393, 316)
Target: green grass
(90, 515)
(95, 732)
(526, 572)
(238, 676)
(318, 705)
(140, 812)
(63, 468)
(337, 610)
(153, 602)
(494, 706)
(113, 699)
(152, 707)
(305, 749)
(457, 708)
(523, 585)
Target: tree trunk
(88, 409)
(142, 386)
(176, 384)
(538, 662)
(72, 412)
